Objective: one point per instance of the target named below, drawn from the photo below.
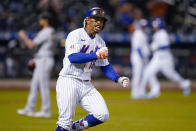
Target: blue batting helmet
(143, 23)
(158, 22)
(96, 12)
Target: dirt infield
(101, 84)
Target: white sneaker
(186, 87)
(153, 95)
(79, 125)
(42, 114)
(25, 112)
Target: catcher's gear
(102, 53)
(95, 12)
(31, 65)
(123, 81)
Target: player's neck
(89, 32)
(46, 25)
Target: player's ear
(87, 20)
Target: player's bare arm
(44, 22)
(28, 42)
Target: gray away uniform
(41, 75)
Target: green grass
(170, 112)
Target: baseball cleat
(79, 125)
(60, 129)
(153, 95)
(42, 114)
(75, 126)
(187, 89)
(138, 97)
(186, 92)
(25, 112)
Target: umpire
(43, 58)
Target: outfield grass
(170, 112)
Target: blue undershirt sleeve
(82, 57)
(110, 73)
(164, 47)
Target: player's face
(43, 22)
(95, 24)
(155, 28)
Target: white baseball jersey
(161, 38)
(79, 41)
(45, 40)
(140, 40)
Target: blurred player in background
(139, 56)
(84, 49)
(44, 43)
(162, 61)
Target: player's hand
(102, 53)
(123, 81)
(31, 65)
(22, 34)
(154, 47)
(145, 61)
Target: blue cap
(158, 22)
(143, 23)
(96, 12)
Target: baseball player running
(44, 62)
(139, 56)
(162, 61)
(84, 49)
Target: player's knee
(105, 117)
(102, 116)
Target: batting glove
(145, 61)
(154, 47)
(102, 53)
(123, 81)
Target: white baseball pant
(72, 91)
(137, 70)
(40, 81)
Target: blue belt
(164, 47)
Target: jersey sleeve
(102, 62)
(72, 45)
(164, 39)
(41, 37)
